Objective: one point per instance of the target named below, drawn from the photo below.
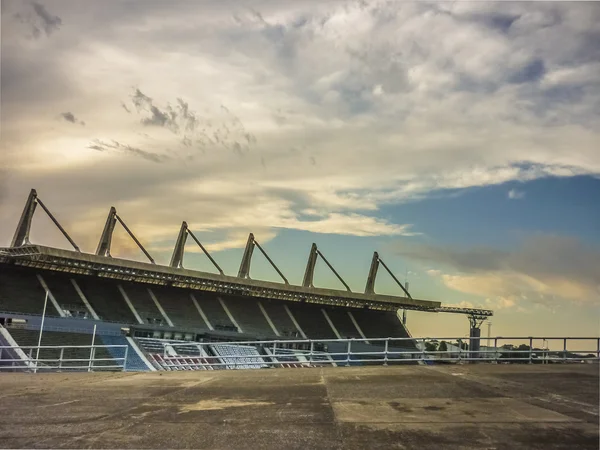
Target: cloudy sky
(458, 139)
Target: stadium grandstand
(145, 316)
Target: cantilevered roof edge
(36, 251)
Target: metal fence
(52, 358)
(384, 351)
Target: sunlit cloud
(243, 120)
(531, 273)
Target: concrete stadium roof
(77, 262)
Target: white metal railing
(384, 351)
(27, 358)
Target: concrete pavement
(421, 407)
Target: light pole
(37, 354)
(404, 311)
(92, 352)
(489, 325)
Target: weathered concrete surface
(450, 407)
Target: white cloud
(351, 106)
(504, 290)
(513, 194)
(531, 273)
(232, 239)
(581, 75)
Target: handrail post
(598, 349)
(274, 358)
(37, 356)
(459, 349)
(60, 359)
(496, 350)
(422, 349)
(125, 358)
(92, 356)
(310, 354)
(530, 350)
(564, 349)
(386, 348)
(92, 349)
(349, 348)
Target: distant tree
(431, 346)
(523, 348)
(514, 353)
(443, 347)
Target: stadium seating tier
(105, 298)
(249, 316)
(342, 323)
(312, 321)
(179, 307)
(20, 291)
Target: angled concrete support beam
(231, 318)
(139, 244)
(177, 258)
(370, 287)
(339, 277)
(357, 326)
(128, 302)
(268, 319)
(21, 236)
(179, 250)
(244, 271)
(84, 299)
(106, 238)
(58, 308)
(331, 325)
(201, 312)
(205, 251)
(58, 225)
(160, 308)
(295, 322)
(272, 263)
(310, 267)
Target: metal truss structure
(102, 264)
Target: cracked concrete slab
(421, 407)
